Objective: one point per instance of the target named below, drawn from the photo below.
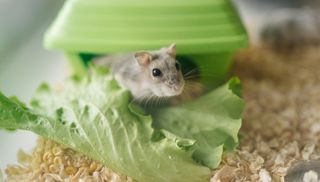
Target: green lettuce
(94, 116)
(213, 121)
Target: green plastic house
(205, 31)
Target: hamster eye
(156, 72)
(177, 66)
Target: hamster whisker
(153, 101)
(147, 103)
(189, 72)
(144, 101)
(158, 101)
(190, 77)
(140, 98)
(163, 100)
(148, 100)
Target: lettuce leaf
(213, 121)
(94, 116)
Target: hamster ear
(143, 58)
(172, 50)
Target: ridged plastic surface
(107, 26)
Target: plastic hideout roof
(108, 26)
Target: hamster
(147, 74)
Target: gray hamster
(147, 74)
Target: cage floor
(281, 120)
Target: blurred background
(24, 63)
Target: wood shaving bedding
(282, 116)
(51, 162)
(281, 126)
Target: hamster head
(162, 71)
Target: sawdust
(51, 162)
(282, 114)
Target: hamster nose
(173, 81)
